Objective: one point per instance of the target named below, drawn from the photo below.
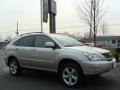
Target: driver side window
(41, 40)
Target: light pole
(17, 32)
(41, 14)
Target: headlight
(92, 57)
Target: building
(3, 44)
(108, 41)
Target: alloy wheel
(70, 76)
(13, 67)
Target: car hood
(89, 49)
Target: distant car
(92, 45)
(57, 53)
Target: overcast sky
(27, 13)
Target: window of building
(113, 41)
(119, 42)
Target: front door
(44, 57)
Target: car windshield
(67, 41)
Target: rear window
(16, 43)
(27, 41)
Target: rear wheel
(14, 67)
(71, 75)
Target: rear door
(25, 50)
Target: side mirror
(49, 45)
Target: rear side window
(16, 43)
(41, 40)
(27, 41)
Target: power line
(17, 32)
(68, 27)
(113, 12)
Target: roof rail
(30, 33)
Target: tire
(71, 75)
(14, 67)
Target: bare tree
(104, 29)
(8, 38)
(90, 12)
(74, 35)
(86, 35)
(77, 36)
(1, 38)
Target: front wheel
(14, 67)
(71, 75)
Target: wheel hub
(13, 67)
(70, 76)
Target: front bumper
(98, 67)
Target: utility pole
(94, 9)
(52, 23)
(104, 33)
(41, 14)
(17, 32)
(52, 14)
(91, 20)
(49, 7)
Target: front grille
(108, 56)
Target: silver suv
(57, 53)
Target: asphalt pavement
(39, 80)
